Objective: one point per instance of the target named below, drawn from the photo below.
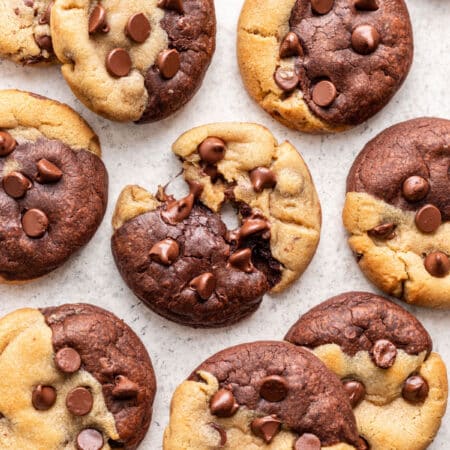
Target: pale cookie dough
(222, 407)
(382, 354)
(324, 66)
(41, 407)
(179, 257)
(159, 65)
(397, 211)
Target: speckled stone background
(141, 154)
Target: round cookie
(324, 66)
(53, 185)
(81, 379)
(25, 36)
(397, 211)
(382, 354)
(261, 395)
(179, 257)
(138, 60)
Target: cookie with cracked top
(383, 356)
(53, 185)
(66, 390)
(265, 395)
(178, 256)
(324, 66)
(397, 211)
(139, 60)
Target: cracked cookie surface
(53, 190)
(134, 60)
(396, 384)
(261, 395)
(82, 380)
(397, 210)
(179, 257)
(324, 66)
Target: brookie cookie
(138, 60)
(262, 395)
(397, 211)
(178, 256)
(25, 36)
(324, 65)
(382, 354)
(72, 377)
(53, 185)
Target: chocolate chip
(124, 388)
(274, 388)
(175, 5)
(322, 6)
(222, 433)
(97, 20)
(384, 353)
(324, 93)
(68, 360)
(138, 28)
(16, 184)
(363, 444)
(366, 5)
(45, 18)
(286, 79)
(262, 178)
(415, 389)
(79, 401)
(212, 150)
(204, 285)
(365, 39)
(48, 172)
(415, 188)
(242, 260)
(291, 46)
(29, 3)
(253, 226)
(384, 231)
(356, 391)
(177, 211)
(44, 42)
(266, 427)
(168, 63)
(428, 219)
(43, 397)
(34, 223)
(7, 143)
(165, 252)
(118, 62)
(223, 403)
(307, 441)
(195, 188)
(211, 170)
(89, 439)
(437, 264)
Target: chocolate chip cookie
(397, 386)
(397, 211)
(138, 60)
(262, 395)
(178, 256)
(53, 185)
(25, 36)
(324, 65)
(81, 379)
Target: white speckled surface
(141, 154)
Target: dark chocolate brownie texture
(407, 166)
(51, 206)
(191, 28)
(358, 321)
(309, 399)
(352, 58)
(117, 359)
(184, 264)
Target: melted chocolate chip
(79, 401)
(165, 252)
(324, 93)
(384, 231)
(384, 354)
(437, 264)
(366, 5)
(365, 39)
(177, 211)
(204, 285)
(124, 388)
(7, 143)
(212, 150)
(428, 219)
(266, 427)
(253, 226)
(291, 46)
(45, 18)
(356, 391)
(44, 42)
(415, 188)
(16, 184)
(286, 79)
(363, 444)
(322, 6)
(222, 433)
(168, 63)
(43, 397)
(175, 5)
(48, 172)
(68, 360)
(118, 62)
(35, 223)
(262, 178)
(138, 28)
(223, 403)
(242, 260)
(308, 442)
(97, 20)
(274, 388)
(415, 389)
(90, 439)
